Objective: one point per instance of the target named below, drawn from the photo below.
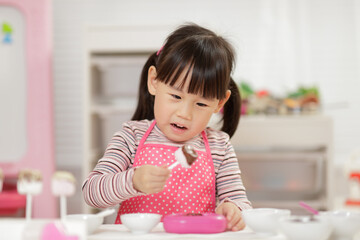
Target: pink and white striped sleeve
(228, 180)
(110, 183)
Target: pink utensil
(308, 208)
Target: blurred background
(298, 67)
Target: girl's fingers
(229, 215)
(154, 170)
(158, 179)
(233, 216)
(160, 171)
(239, 225)
(157, 184)
(235, 223)
(232, 219)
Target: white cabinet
(116, 81)
(286, 159)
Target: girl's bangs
(206, 77)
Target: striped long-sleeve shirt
(110, 183)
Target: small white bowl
(92, 221)
(264, 220)
(140, 223)
(305, 227)
(345, 223)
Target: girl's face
(179, 114)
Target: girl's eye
(175, 96)
(202, 104)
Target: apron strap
(206, 142)
(143, 139)
(208, 153)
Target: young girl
(181, 86)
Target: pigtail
(145, 105)
(232, 110)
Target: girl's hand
(232, 214)
(150, 179)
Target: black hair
(211, 59)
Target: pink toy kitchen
(27, 123)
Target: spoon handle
(308, 208)
(173, 165)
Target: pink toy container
(204, 223)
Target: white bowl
(264, 220)
(92, 221)
(345, 223)
(305, 227)
(140, 223)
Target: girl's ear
(152, 82)
(223, 101)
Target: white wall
(280, 44)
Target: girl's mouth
(178, 126)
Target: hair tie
(158, 52)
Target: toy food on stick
(29, 183)
(186, 155)
(63, 185)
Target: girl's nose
(185, 111)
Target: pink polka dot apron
(188, 190)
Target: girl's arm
(110, 182)
(228, 180)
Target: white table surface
(20, 229)
(120, 232)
